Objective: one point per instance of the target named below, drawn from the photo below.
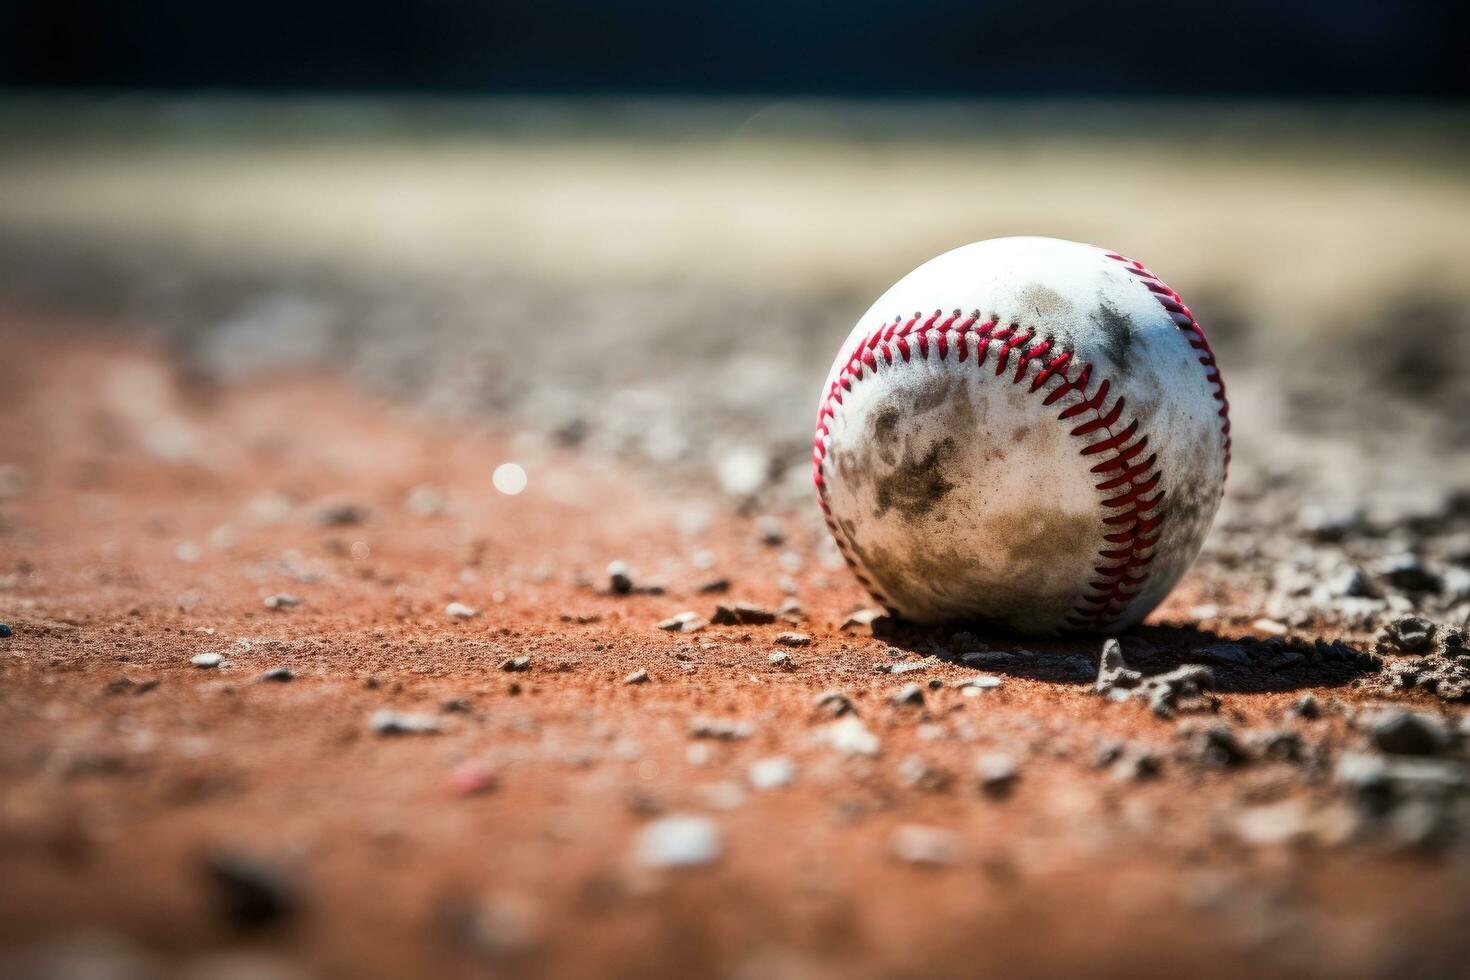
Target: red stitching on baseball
(1173, 304)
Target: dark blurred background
(1334, 48)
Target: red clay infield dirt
(180, 820)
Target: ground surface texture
(165, 817)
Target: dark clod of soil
(1213, 745)
(340, 514)
(834, 703)
(1224, 655)
(742, 614)
(1279, 745)
(250, 894)
(1409, 634)
(1399, 732)
(1306, 707)
(997, 773)
(620, 578)
(1407, 572)
(909, 694)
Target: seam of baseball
(1132, 531)
(1175, 307)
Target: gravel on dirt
(389, 722)
(123, 764)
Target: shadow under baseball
(1241, 665)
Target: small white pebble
(1273, 824)
(725, 794)
(684, 622)
(678, 842)
(972, 686)
(459, 610)
(206, 660)
(849, 736)
(918, 844)
(509, 479)
(281, 600)
(772, 773)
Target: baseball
(1023, 432)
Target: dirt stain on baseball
(1037, 538)
(934, 395)
(1117, 331)
(1189, 506)
(1043, 301)
(918, 482)
(940, 584)
(908, 453)
(883, 433)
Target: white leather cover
(957, 494)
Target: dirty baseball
(1023, 432)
